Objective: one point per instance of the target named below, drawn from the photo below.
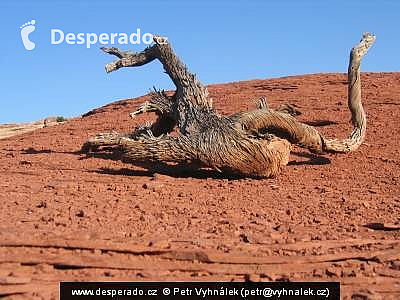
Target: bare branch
(129, 59)
(115, 51)
(358, 116)
(255, 143)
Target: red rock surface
(65, 216)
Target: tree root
(255, 143)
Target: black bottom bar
(199, 290)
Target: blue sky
(221, 41)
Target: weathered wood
(358, 117)
(254, 144)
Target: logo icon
(26, 29)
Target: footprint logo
(26, 29)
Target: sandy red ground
(65, 216)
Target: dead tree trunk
(254, 144)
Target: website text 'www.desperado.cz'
(88, 39)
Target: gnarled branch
(255, 143)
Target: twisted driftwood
(255, 143)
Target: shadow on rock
(313, 159)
